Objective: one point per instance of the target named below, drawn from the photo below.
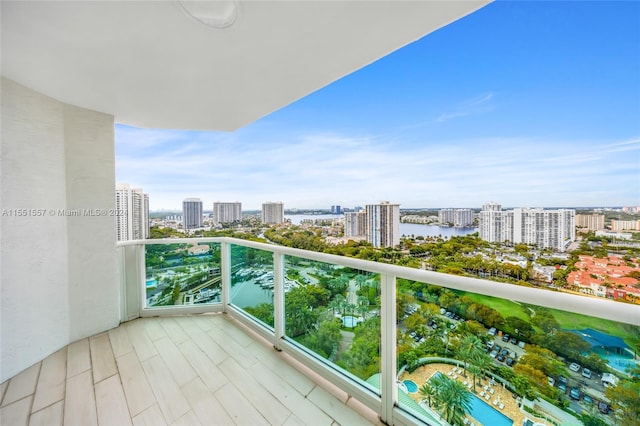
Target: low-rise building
(612, 277)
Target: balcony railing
(352, 321)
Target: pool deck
(511, 409)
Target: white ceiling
(152, 65)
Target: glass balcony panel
(252, 282)
(334, 311)
(495, 361)
(182, 274)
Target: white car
(586, 373)
(574, 367)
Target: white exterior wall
(227, 212)
(355, 224)
(383, 224)
(58, 273)
(273, 213)
(192, 213)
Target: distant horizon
(288, 210)
(524, 103)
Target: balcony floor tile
(205, 369)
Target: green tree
(451, 398)
(363, 357)
(483, 363)
(625, 400)
(324, 341)
(470, 347)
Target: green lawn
(567, 320)
(507, 308)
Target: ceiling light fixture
(218, 14)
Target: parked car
(505, 352)
(587, 399)
(501, 358)
(510, 361)
(493, 354)
(551, 381)
(604, 407)
(586, 373)
(497, 348)
(562, 387)
(574, 367)
(521, 344)
(492, 331)
(574, 393)
(505, 338)
(513, 341)
(490, 344)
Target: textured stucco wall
(57, 272)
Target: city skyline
(526, 104)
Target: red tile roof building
(610, 277)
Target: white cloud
(478, 105)
(318, 170)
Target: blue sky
(523, 103)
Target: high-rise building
(132, 213)
(273, 212)
(355, 224)
(625, 225)
(496, 225)
(592, 222)
(227, 212)
(457, 217)
(192, 213)
(545, 228)
(336, 210)
(383, 224)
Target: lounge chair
(501, 406)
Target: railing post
(278, 299)
(225, 270)
(388, 369)
(132, 278)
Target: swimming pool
(410, 385)
(616, 361)
(349, 321)
(487, 415)
(151, 283)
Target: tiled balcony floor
(188, 370)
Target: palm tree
(361, 281)
(334, 305)
(428, 391)
(341, 301)
(363, 306)
(470, 346)
(475, 371)
(450, 397)
(483, 362)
